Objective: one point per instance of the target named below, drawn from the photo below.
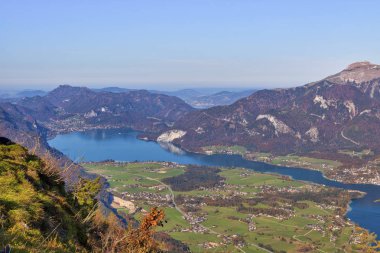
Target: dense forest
(194, 178)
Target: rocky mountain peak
(358, 72)
(357, 65)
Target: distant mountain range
(197, 98)
(21, 94)
(201, 100)
(325, 119)
(12, 96)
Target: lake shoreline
(266, 162)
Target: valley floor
(335, 170)
(234, 210)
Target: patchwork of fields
(234, 210)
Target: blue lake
(122, 145)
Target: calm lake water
(122, 145)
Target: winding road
(348, 139)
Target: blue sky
(183, 43)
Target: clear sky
(183, 43)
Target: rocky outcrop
(279, 126)
(171, 135)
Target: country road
(172, 195)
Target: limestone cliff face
(171, 135)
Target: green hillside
(36, 214)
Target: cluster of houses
(362, 175)
(151, 198)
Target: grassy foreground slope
(38, 213)
(235, 210)
(35, 215)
